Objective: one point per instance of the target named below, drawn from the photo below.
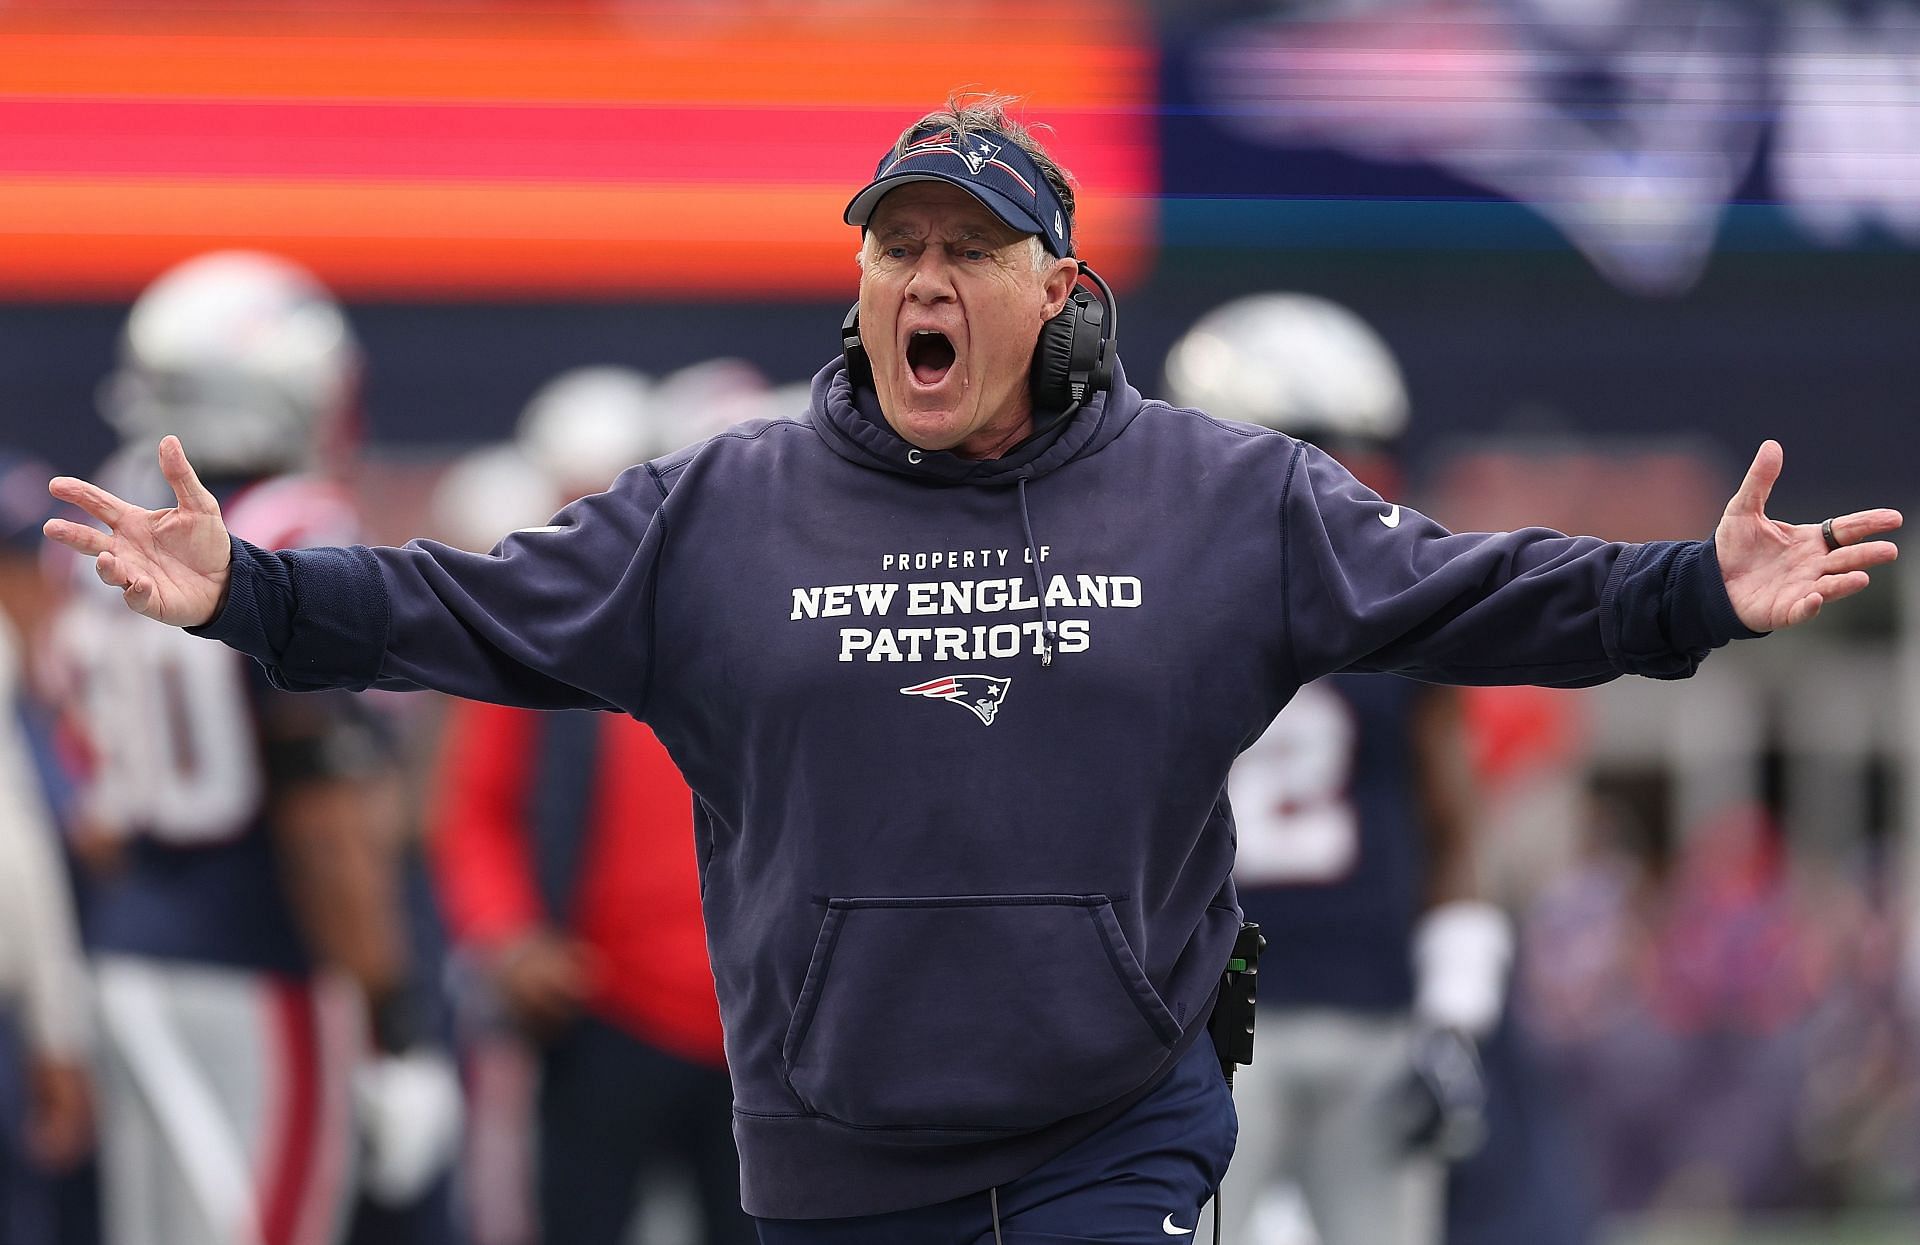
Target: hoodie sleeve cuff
(313, 617)
(1665, 608)
(1703, 614)
(259, 595)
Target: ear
(1059, 283)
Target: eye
(894, 252)
(974, 254)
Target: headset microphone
(1072, 360)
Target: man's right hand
(544, 978)
(170, 565)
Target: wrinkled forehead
(937, 209)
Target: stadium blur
(1612, 244)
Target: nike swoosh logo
(1392, 519)
(1166, 1225)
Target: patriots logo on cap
(979, 152)
(976, 151)
(978, 694)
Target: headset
(1072, 361)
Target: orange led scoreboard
(523, 150)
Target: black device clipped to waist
(1231, 1026)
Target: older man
(956, 666)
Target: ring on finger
(1826, 534)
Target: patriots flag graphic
(978, 694)
(976, 151)
(979, 152)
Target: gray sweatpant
(1317, 1159)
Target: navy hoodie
(960, 731)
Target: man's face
(950, 307)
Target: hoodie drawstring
(993, 1199)
(1039, 577)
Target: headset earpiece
(1073, 360)
(859, 370)
(1070, 361)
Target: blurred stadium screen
(419, 150)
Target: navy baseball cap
(991, 167)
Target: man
(1383, 965)
(956, 673)
(244, 839)
(45, 1095)
(562, 848)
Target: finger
(1859, 557)
(1839, 587)
(187, 489)
(1751, 497)
(111, 573)
(1805, 609)
(1851, 529)
(77, 536)
(138, 594)
(91, 498)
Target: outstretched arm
(530, 624)
(1780, 574)
(170, 565)
(1370, 586)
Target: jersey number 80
(168, 720)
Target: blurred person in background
(46, 1115)
(563, 846)
(966, 932)
(1724, 1022)
(243, 841)
(1384, 967)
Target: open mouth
(930, 356)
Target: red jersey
(633, 892)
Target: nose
(930, 282)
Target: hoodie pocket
(995, 1013)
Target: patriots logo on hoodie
(978, 694)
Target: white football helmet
(708, 397)
(788, 401)
(488, 492)
(244, 355)
(1295, 362)
(587, 425)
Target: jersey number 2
(1290, 793)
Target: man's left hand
(1780, 574)
(1442, 1103)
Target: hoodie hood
(851, 422)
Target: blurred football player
(1382, 968)
(244, 838)
(564, 848)
(45, 1095)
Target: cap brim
(861, 208)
